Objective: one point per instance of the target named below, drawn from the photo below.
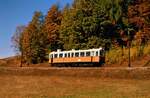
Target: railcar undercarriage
(77, 64)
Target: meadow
(70, 87)
(34, 84)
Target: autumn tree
(17, 42)
(51, 28)
(139, 12)
(16, 38)
(32, 40)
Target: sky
(19, 12)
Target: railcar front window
(102, 53)
(51, 56)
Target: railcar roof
(73, 50)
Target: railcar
(90, 57)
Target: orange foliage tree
(51, 28)
(32, 40)
(139, 14)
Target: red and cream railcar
(77, 57)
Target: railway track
(100, 72)
(48, 68)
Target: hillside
(10, 62)
(15, 62)
(139, 62)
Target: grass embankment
(115, 56)
(118, 73)
(71, 87)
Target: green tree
(67, 35)
(85, 22)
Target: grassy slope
(116, 59)
(71, 87)
(10, 62)
(15, 62)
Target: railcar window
(60, 55)
(87, 53)
(68, 54)
(77, 54)
(92, 53)
(82, 54)
(72, 54)
(65, 54)
(55, 56)
(96, 53)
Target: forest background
(114, 25)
